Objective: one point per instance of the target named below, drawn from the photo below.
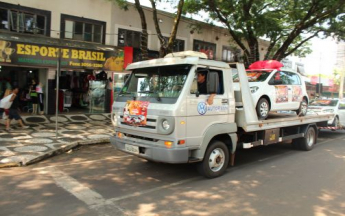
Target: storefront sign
(47, 56)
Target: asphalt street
(99, 180)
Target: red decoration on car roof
(266, 64)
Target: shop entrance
(31, 83)
(82, 91)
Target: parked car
(274, 90)
(335, 106)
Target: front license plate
(131, 148)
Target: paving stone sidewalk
(26, 146)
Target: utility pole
(320, 66)
(341, 86)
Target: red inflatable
(266, 64)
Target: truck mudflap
(158, 154)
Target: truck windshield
(324, 102)
(157, 84)
(253, 76)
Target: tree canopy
(287, 25)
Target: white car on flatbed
(182, 125)
(276, 90)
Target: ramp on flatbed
(279, 120)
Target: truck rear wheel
(307, 142)
(216, 160)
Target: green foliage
(123, 4)
(287, 24)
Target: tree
(166, 46)
(123, 4)
(288, 25)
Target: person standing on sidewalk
(13, 111)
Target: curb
(58, 151)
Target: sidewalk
(26, 146)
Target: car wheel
(336, 122)
(262, 108)
(216, 160)
(303, 108)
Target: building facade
(95, 38)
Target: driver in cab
(202, 86)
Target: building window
(82, 29)
(21, 19)
(178, 45)
(205, 47)
(230, 54)
(128, 38)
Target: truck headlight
(253, 89)
(114, 119)
(165, 125)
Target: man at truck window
(202, 87)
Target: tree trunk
(162, 40)
(175, 26)
(144, 34)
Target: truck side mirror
(212, 82)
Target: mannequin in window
(34, 96)
(39, 91)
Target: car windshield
(156, 82)
(253, 76)
(324, 102)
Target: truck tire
(307, 142)
(262, 108)
(215, 161)
(303, 108)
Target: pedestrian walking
(13, 110)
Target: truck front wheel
(216, 160)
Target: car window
(280, 76)
(286, 78)
(342, 105)
(293, 79)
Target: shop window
(21, 19)
(129, 38)
(205, 47)
(178, 45)
(82, 29)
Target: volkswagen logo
(202, 108)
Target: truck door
(201, 114)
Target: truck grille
(150, 123)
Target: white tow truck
(161, 116)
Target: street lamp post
(57, 91)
